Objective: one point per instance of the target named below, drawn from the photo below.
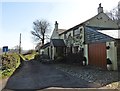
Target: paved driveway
(34, 75)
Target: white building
(96, 46)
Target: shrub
(74, 58)
(59, 59)
(9, 63)
(37, 57)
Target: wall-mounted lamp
(84, 43)
(107, 47)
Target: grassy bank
(28, 57)
(9, 63)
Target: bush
(9, 63)
(37, 57)
(74, 58)
(59, 59)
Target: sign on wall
(5, 48)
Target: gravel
(90, 74)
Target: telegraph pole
(20, 44)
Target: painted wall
(55, 34)
(46, 51)
(62, 36)
(118, 33)
(112, 54)
(69, 38)
(41, 51)
(68, 33)
(82, 34)
(86, 52)
(52, 52)
(101, 20)
(78, 41)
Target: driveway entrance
(34, 75)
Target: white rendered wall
(86, 52)
(112, 54)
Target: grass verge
(10, 62)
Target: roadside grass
(10, 63)
(113, 85)
(30, 56)
(6, 73)
(22, 56)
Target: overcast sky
(17, 16)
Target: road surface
(35, 76)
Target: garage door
(97, 54)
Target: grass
(30, 56)
(11, 62)
(23, 57)
(113, 85)
(17, 58)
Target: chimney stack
(56, 25)
(100, 9)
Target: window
(77, 32)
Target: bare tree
(40, 30)
(114, 14)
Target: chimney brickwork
(100, 9)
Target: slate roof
(84, 24)
(92, 36)
(45, 45)
(58, 42)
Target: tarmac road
(33, 75)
